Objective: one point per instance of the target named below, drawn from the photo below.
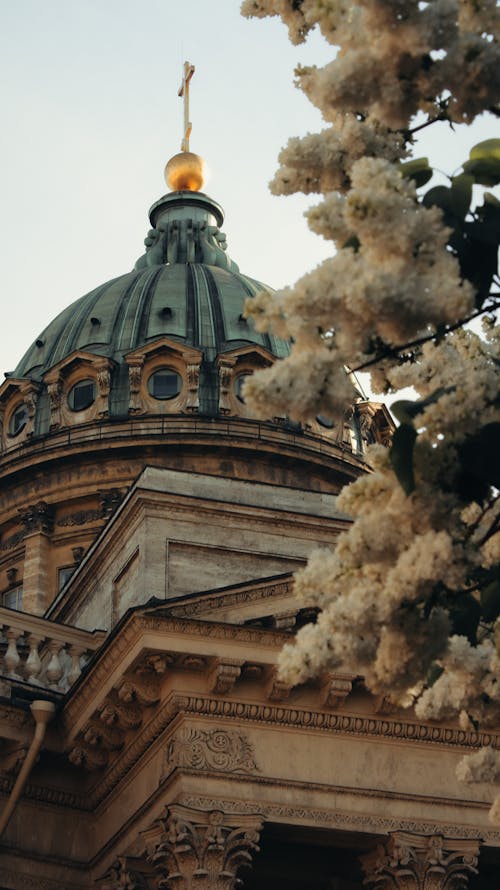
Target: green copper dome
(184, 286)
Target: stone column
(417, 862)
(199, 849)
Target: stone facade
(149, 532)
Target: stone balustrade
(42, 654)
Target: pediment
(77, 359)
(265, 602)
(166, 346)
(17, 385)
(252, 354)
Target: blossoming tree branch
(410, 598)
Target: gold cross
(184, 92)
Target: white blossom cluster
(385, 290)
(321, 162)
(391, 284)
(396, 57)
(373, 586)
(483, 766)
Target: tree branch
(392, 351)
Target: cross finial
(184, 92)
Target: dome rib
(192, 322)
(199, 303)
(214, 295)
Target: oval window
(164, 384)
(18, 420)
(238, 386)
(325, 421)
(81, 395)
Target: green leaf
(478, 261)
(485, 170)
(479, 454)
(490, 198)
(488, 214)
(439, 196)
(433, 673)
(418, 169)
(465, 615)
(401, 456)
(461, 194)
(488, 148)
(404, 410)
(353, 242)
(490, 600)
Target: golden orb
(184, 172)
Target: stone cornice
(125, 650)
(230, 711)
(212, 601)
(182, 429)
(113, 658)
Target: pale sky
(90, 115)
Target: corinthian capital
(194, 848)
(417, 862)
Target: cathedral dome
(184, 287)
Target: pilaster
(38, 521)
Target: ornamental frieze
(342, 820)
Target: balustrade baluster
(33, 664)
(38, 652)
(12, 658)
(75, 653)
(54, 670)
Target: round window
(164, 384)
(238, 386)
(19, 419)
(81, 395)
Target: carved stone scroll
(217, 750)
(193, 380)
(416, 862)
(124, 874)
(136, 404)
(54, 390)
(223, 675)
(226, 375)
(335, 691)
(103, 387)
(204, 850)
(143, 689)
(88, 756)
(277, 689)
